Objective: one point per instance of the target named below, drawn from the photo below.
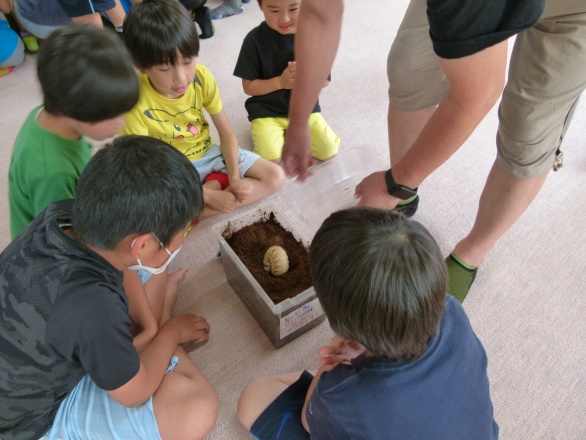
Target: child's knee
(275, 177)
(247, 410)
(199, 408)
(279, 177)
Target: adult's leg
(502, 202)
(185, 405)
(545, 81)
(416, 80)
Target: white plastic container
(281, 322)
(330, 187)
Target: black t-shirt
(459, 28)
(265, 54)
(64, 315)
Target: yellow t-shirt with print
(179, 122)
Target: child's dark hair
(155, 30)
(86, 74)
(135, 184)
(380, 279)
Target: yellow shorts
(268, 136)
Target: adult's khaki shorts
(547, 74)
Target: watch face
(396, 190)
(402, 192)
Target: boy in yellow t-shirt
(174, 91)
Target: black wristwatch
(396, 190)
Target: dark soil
(250, 244)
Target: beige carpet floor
(527, 305)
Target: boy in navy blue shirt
(405, 362)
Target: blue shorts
(213, 160)
(88, 413)
(79, 8)
(282, 418)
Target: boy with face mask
(69, 365)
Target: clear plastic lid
(330, 187)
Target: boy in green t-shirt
(88, 85)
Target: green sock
(461, 276)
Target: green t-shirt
(44, 169)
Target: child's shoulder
(203, 75)
(201, 69)
(257, 29)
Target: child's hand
(340, 351)
(241, 188)
(223, 201)
(188, 327)
(288, 76)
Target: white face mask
(155, 270)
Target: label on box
(303, 315)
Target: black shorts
(282, 418)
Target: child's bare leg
(186, 405)
(259, 394)
(174, 280)
(117, 14)
(266, 177)
(92, 19)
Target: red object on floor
(221, 178)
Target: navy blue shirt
(442, 395)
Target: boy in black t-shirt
(68, 360)
(266, 65)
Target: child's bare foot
(212, 184)
(174, 280)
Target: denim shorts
(213, 160)
(89, 413)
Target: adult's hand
(373, 192)
(296, 156)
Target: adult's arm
(476, 82)
(316, 44)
